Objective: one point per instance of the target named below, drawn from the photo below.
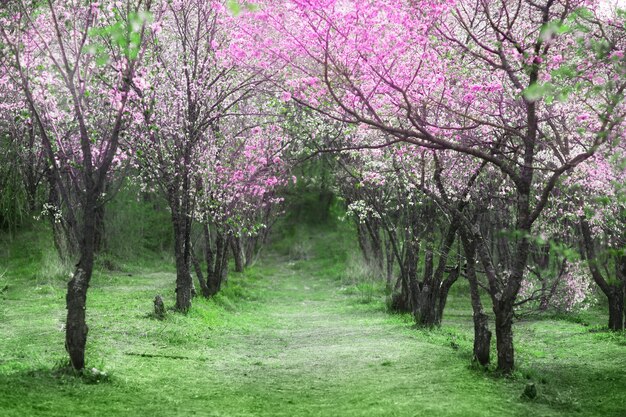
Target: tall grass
(360, 279)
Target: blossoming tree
(75, 65)
(201, 145)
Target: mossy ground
(289, 337)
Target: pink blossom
(285, 96)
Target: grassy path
(285, 339)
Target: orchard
(313, 207)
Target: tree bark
(100, 235)
(217, 262)
(76, 298)
(250, 249)
(482, 335)
(616, 308)
(200, 276)
(502, 298)
(389, 265)
(453, 276)
(504, 336)
(482, 338)
(375, 245)
(362, 239)
(238, 253)
(184, 282)
(434, 291)
(425, 314)
(223, 269)
(412, 286)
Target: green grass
(293, 336)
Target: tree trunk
(76, 326)
(423, 297)
(223, 265)
(482, 338)
(250, 249)
(482, 335)
(425, 314)
(412, 286)
(432, 300)
(184, 282)
(217, 261)
(389, 257)
(238, 253)
(616, 307)
(76, 299)
(362, 239)
(99, 233)
(400, 297)
(504, 336)
(376, 248)
(453, 276)
(196, 265)
(209, 255)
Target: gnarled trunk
(432, 300)
(434, 291)
(76, 324)
(444, 289)
(504, 336)
(76, 299)
(426, 314)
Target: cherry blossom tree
(75, 65)
(238, 196)
(388, 194)
(203, 131)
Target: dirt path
(325, 353)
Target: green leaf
(553, 28)
(102, 58)
(234, 7)
(566, 71)
(537, 91)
